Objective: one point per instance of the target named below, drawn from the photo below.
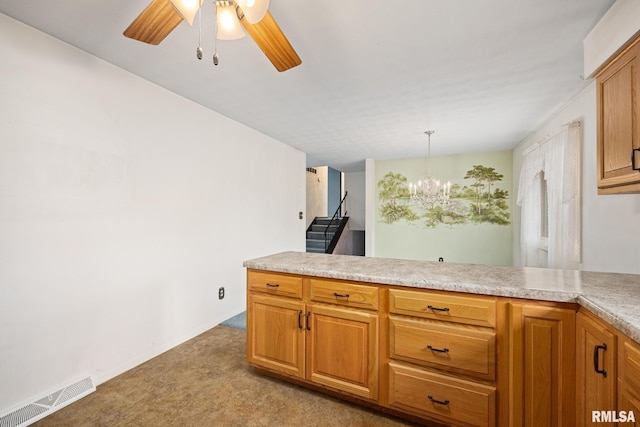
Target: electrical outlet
(220, 293)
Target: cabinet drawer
(451, 308)
(454, 348)
(344, 293)
(275, 284)
(440, 396)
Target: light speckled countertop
(614, 297)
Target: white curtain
(558, 159)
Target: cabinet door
(342, 350)
(596, 372)
(629, 382)
(542, 371)
(630, 407)
(275, 334)
(618, 100)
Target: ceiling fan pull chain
(199, 49)
(215, 37)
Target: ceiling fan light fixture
(187, 9)
(254, 10)
(229, 27)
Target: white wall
(610, 223)
(370, 207)
(354, 185)
(610, 34)
(121, 215)
(317, 191)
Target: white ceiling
(375, 75)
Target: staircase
(316, 234)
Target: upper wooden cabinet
(618, 110)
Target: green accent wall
(474, 228)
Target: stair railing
(336, 216)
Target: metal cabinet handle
(272, 285)
(300, 319)
(337, 295)
(439, 402)
(439, 350)
(633, 159)
(596, 359)
(306, 318)
(430, 307)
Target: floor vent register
(31, 412)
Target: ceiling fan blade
(272, 41)
(154, 23)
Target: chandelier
(429, 192)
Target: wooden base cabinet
(342, 350)
(464, 350)
(629, 403)
(275, 334)
(596, 373)
(333, 346)
(542, 371)
(629, 381)
(443, 357)
(448, 399)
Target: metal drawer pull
(596, 361)
(337, 295)
(272, 285)
(439, 350)
(439, 402)
(430, 307)
(633, 159)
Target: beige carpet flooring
(206, 382)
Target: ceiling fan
(160, 17)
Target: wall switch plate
(220, 293)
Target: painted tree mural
(393, 192)
(481, 201)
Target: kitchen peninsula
(458, 344)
